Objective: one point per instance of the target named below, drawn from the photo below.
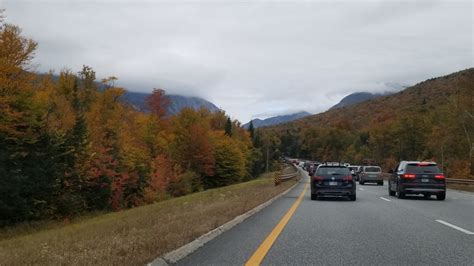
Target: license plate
(333, 183)
(425, 180)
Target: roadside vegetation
(135, 236)
(70, 146)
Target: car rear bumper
(423, 188)
(333, 191)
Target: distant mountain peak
(358, 97)
(177, 102)
(257, 122)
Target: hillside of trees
(68, 147)
(433, 120)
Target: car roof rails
(333, 163)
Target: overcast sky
(252, 58)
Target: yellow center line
(263, 249)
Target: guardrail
(284, 177)
(460, 181)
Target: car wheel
(361, 182)
(352, 197)
(390, 192)
(400, 195)
(314, 197)
(380, 183)
(441, 196)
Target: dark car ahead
(414, 177)
(333, 180)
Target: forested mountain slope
(432, 120)
(425, 96)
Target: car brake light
(408, 176)
(439, 176)
(318, 178)
(347, 178)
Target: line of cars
(409, 177)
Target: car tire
(352, 197)
(390, 192)
(361, 182)
(380, 183)
(441, 196)
(314, 197)
(400, 195)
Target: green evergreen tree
(228, 127)
(251, 130)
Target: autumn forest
(70, 145)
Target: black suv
(333, 180)
(414, 177)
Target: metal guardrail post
(276, 178)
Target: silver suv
(371, 174)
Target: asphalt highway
(374, 230)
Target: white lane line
(456, 227)
(361, 189)
(385, 199)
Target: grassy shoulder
(138, 235)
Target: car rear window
(333, 171)
(373, 169)
(419, 169)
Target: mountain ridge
(428, 94)
(358, 97)
(275, 120)
(177, 102)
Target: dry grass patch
(135, 236)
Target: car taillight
(439, 176)
(318, 178)
(347, 178)
(408, 176)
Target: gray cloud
(254, 57)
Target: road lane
(368, 231)
(458, 208)
(371, 231)
(263, 249)
(237, 245)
